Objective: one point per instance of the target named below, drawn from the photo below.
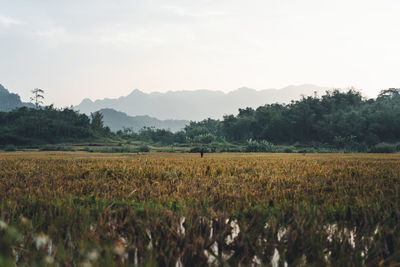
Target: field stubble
(226, 209)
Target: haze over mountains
(10, 101)
(197, 105)
(117, 120)
(173, 110)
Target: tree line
(44, 125)
(336, 119)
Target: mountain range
(139, 109)
(117, 120)
(10, 101)
(199, 104)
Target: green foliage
(336, 121)
(208, 127)
(144, 148)
(161, 136)
(259, 146)
(344, 121)
(10, 148)
(56, 148)
(199, 149)
(196, 149)
(385, 148)
(118, 149)
(96, 121)
(204, 139)
(28, 126)
(37, 97)
(289, 149)
(307, 150)
(349, 142)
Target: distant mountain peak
(136, 92)
(86, 101)
(10, 101)
(198, 104)
(245, 89)
(117, 120)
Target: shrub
(383, 149)
(144, 148)
(372, 139)
(10, 148)
(56, 148)
(307, 150)
(289, 149)
(259, 146)
(204, 138)
(196, 149)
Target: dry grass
(308, 209)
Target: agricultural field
(172, 209)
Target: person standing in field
(202, 152)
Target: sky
(99, 49)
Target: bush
(197, 149)
(325, 150)
(350, 144)
(204, 138)
(231, 149)
(118, 149)
(383, 149)
(372, 139)
(259, 146)
(56, 148)
(307, 150)
(289, 149)
(144, 148)
(10, 148)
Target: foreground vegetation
(159, 209)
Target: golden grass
(325, 208)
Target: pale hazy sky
(105, 48)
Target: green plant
(259, 146)
(10, 148)
(383, 149)
(144, 148)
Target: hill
(118, 120)
(10, 101)
(197, 105)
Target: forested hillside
(119, 120)
(10, 101)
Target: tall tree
(37, 97)
(97, 121)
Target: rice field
(160, 209)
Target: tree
(389, 93)
(37, 97)
(97, 121)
